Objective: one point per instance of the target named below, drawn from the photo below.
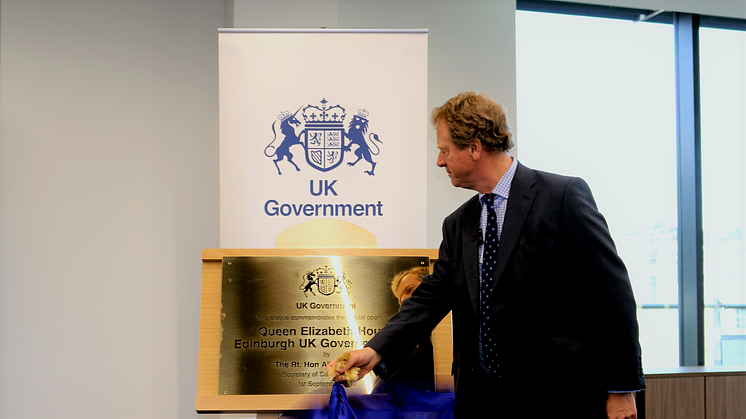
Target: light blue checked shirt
(501, 190)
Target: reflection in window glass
(723, 103)
(596, 99)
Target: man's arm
(609, 288)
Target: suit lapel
(522, 194)
(470, 240)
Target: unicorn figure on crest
(287, 120)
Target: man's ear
(475, 149)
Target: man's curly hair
(471, 116)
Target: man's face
(458, 162)
(406, 287)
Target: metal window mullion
(689, 177)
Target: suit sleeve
(617, 338)
(418, 315)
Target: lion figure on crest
(356, 134)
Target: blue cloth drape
(400, 402)
(339, 406)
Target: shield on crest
(323, 135)
(323, 145)
(326, 280)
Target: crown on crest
(324, 114)
(326, 271)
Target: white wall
(108, 194)
(109, 180)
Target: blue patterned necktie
(489, 262)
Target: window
(723, 104)
(653, 116)
(596, 99)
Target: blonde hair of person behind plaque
(418, 272)
(470, 116)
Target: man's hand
(365, 358)
(621, 406)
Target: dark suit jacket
(563, 307)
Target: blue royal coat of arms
(323, 137)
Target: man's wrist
(381, 370)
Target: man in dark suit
(544, 319)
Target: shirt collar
(502, 189)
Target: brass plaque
(285, 317)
